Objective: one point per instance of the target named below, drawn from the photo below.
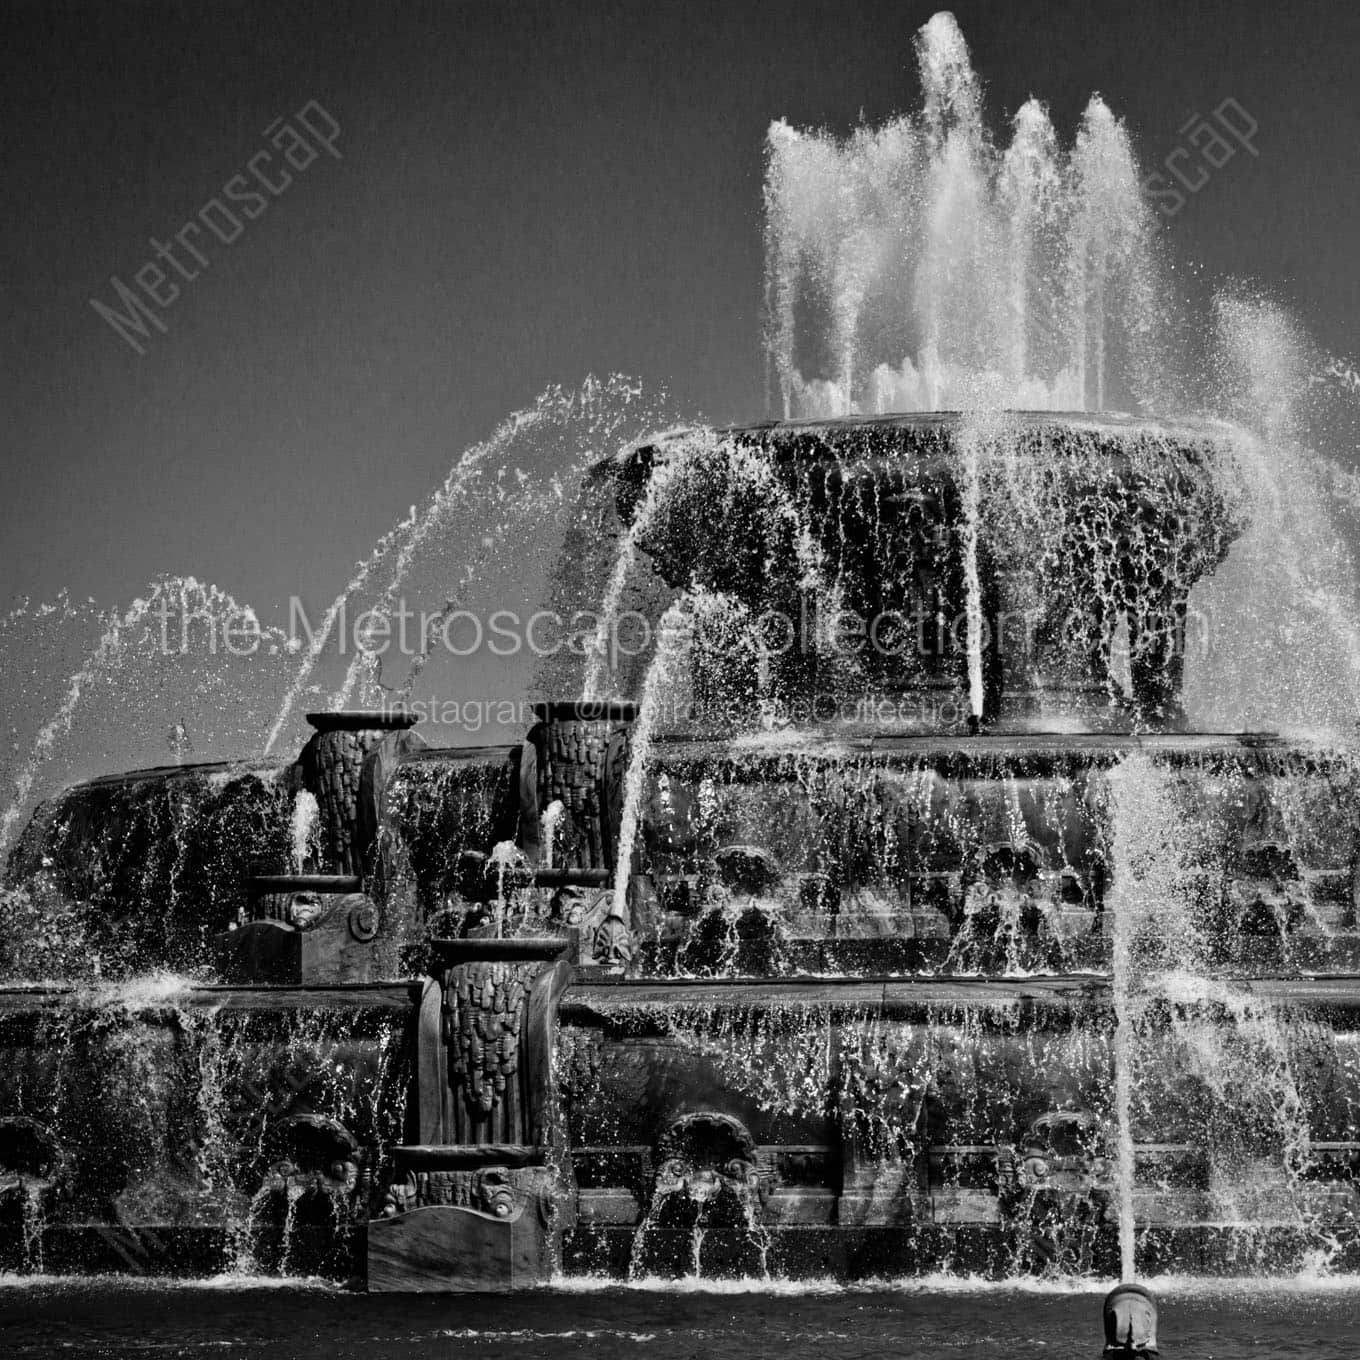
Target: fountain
(894, 912)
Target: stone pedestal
(478, 1199)
(327, 927)
(346, 766)
(323, 936)
(576, 754)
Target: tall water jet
(672, 639)
(1029, 268)
(1149, 922)
(1108, 262)
(1028, 196)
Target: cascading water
(174, 603)
(305, 813)
(1028, 266)
(848, 945)
(671, 641)
(695, 466)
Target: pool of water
(117, 1318)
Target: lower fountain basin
(202, 1129)
(886, 961)
(881, 1126)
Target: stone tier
(872, 1125)
(1089, 534)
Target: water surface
(114, 1318)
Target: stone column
(577, 754)
(335, 769)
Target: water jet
(1130, 1317)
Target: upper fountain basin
(1029, 569)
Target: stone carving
(577, 755)
(606, 937)
(29, 1154)
(483, 1013)
(1270, 896)
(483, 1188)
(335, 768)
(487, 1040)
(318, 927)
(315, 1190)
(307, 937)
(362, 918)
(1063, 1152)
(1018, 914)
(499, 1191)
(703, 1154)
(1057, 1190)
(750, 870)
(315, 1155)
(574, 762)
(34, 1173)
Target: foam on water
(1244, 1288)
(143, 1284)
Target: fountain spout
(1130, 1316)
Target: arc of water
(695, 459)
(670, 645)
(533, 505)
(106, 652)
(462, 473)
(321, 637)
(1027, 191)
(596, 413)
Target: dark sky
(527, 193)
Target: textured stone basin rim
(363, 720)
(1113, 424)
